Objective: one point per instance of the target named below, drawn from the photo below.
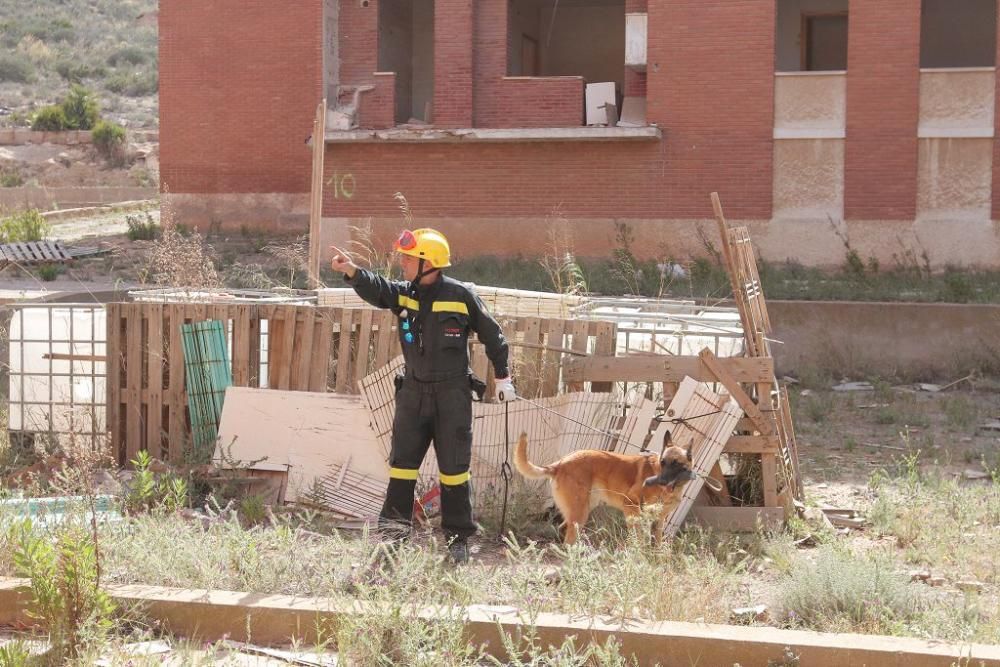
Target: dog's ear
(689, 451)
(666, 439)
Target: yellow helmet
(425, 243)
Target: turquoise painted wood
(207, 373)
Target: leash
(610, 434)
(506, 474)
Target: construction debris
(309, 436)
(854, 386)
(33, 252)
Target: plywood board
(302, 432)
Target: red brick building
(872, 119)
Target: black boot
(459, 551)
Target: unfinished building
(863, 118)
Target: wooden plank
(383, 341)
(737, 519)
(732, 271)
(664, 369)
(769, 473)
(113, 348)
(553, 358)
(174, 396)
(362, 351)
(61, 356)
(305, 327)
(133, 375)
(578, 330)
(316, 193)
(531, 359)
(286, 345)
(343, 380)
(322, 340)
(752, 444)
(763, 425)
(606, 333)
(241, 346)
(154, 365)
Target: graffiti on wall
(344, 185)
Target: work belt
(428, 386)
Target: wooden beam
(211, 615)
(736, 391)
(665, 369)
(737, 519)
(316, 192)
(62, 356)
(752, 444)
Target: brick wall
(587, 179)
(377, 107)
(239, 85)
(453, 38)
(883, 90)
(710, 86)
(358, 41)
(503, 101)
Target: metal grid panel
(57, 371)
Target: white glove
(505, 390)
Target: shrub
(75, 71)
(131, 55)
(50, 119)
(27, 225)
(66, 598)
(15, 68)
(142, 228)
(81, 109)
(148, 493)
(109, 138)
(49, 272)
(850, 593)
(134, 84)
(11, 178)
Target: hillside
(109, 46)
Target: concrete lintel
(809, 133)
(925, 132)
(500, 135)
(210, 615)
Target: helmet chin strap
(421, 273)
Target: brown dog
(627, 482)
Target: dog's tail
(526, 467)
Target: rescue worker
(434, 395)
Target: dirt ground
(56, 165)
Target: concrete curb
(264, 619)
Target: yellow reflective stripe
(455, 480)
(402, 473)
(407, 302)
(450, 307)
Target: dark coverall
(434, 401)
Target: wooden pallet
(33, 252)
(741, 264)
(307, 348)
